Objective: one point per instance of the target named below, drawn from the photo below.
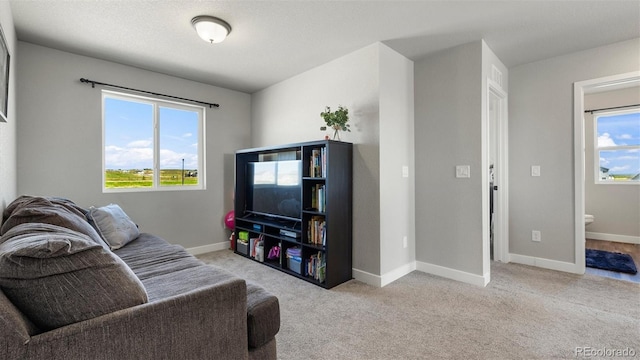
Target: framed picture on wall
(4, 77)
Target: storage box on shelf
(297, 197)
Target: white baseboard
(613, 237)
(367, 277)
(208, 248)
(544, 263)
(385, 279)
(453, 274)
(396, 274)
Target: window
(151, 144)
(617, 147)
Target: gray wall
(60, 140)
(8, 156)
(616, 208)
(541, 133)
(290, 112)
(397, 193)
(448, 117)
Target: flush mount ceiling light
(211, 29)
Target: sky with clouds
(619, 130)
(129, 136)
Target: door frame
(501, 224)
(501, 206)
(579, 89)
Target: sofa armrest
(208, 322)
(16, 330)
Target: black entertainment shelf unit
(295, 201)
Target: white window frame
(157, 103)
(597, 149)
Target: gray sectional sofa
(82, 283)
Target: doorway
(496, 227)
(579, 90)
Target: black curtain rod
(611, 108)
(94, 83)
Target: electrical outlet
(404, 242)
(405, 171)
(536, 236)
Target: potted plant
(336, 120)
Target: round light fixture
(211, 29)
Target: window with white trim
(617, 147)
(151, 144)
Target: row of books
(316, 266)
(317, 231)
(318, 163)
(318, 195)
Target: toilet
(588, 219)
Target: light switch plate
(535, 170)
(463, 171)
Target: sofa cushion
(57, 276)
(113, 225)
(48, 210)
(263, 315)
(183, 281)
(150, 255)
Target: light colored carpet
(524, 313)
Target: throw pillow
(55, 211)
(57, 276)
(31, 201)
(113, 224)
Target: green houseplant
(336, 120)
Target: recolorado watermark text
(588, 351)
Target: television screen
(276, 188)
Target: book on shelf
(316, 266)
(317, 163)
(318, 196)
(317, 230)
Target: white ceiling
(274, 40)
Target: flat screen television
(275, 189)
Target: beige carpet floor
(524, 313)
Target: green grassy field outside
(116, 179)
(622, 177)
